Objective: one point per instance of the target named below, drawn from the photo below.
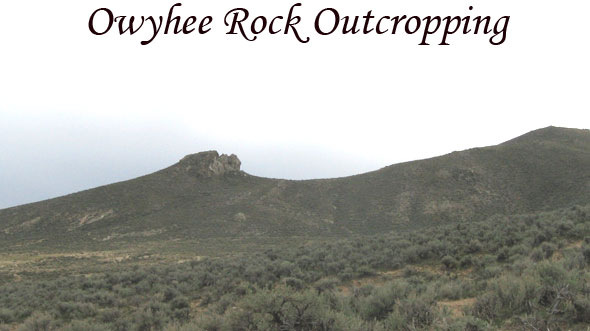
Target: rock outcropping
(210, 164)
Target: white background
(78, 110)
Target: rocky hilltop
(209, 164)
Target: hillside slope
(206, 195)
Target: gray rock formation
(210, 164)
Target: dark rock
(210, 164)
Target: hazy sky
(78, 110)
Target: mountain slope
(205, 195)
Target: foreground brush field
(523, 272)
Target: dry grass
(457, 307)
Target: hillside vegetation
(493, 238)
(206, 196)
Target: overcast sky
(78, 110)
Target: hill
(205, 195)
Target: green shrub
(412, 313)
(550, 274)
(537, 254)
(38, 322)
(180, 308)
(582, 309)
(449, 262)
(205, 322)
(378, 305)
(108, 315)
(467, 323)
(294, 283)
(151, 317)
(508, 296)
(486, 306)
(503, 254)
(75, 310)
(466, 261)
(548, 249)
(474, 246)
(586, 253)
(326, 285)
(6, 316)
(85, 326)
(450, 290)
